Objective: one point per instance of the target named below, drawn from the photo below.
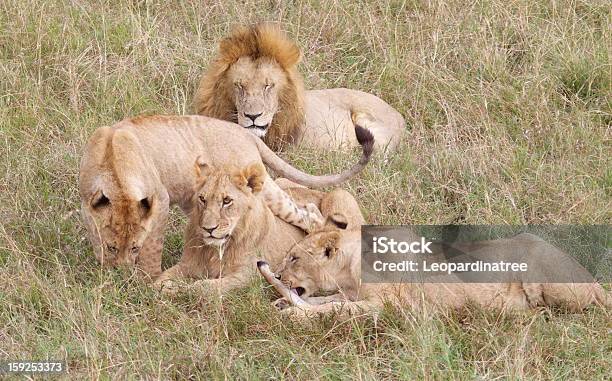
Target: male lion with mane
(254, 82)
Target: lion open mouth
(299, 290)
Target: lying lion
(254, 81)
(133, 171)
(328, 261)
(230, 226)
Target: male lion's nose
(253, 116)
(210, 230)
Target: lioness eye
(111, 249)
(269, 86)
(293, 259)
(135, 250)
(227, 201)
(202, 200)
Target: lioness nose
(253, 116)
(210, 230)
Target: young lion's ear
(338, 220)
(252, 176)
(330, 243)
(202, 168)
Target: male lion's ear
(252, 176)
(202, 168)
(338, 220)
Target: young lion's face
(121, 225)
(313, 265)
(256, 85)
(222, 198)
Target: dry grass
(508, 106)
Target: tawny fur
(329, 261)
(133, 171)
(323, 118)
(214, 96)
(254, 233)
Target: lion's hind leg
(573, 296)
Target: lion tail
(284, 169)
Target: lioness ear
(252, 176)
(99, 200)
(338, 220)
(202, 168)
(146, 204)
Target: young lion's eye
(111, 249)
(227, 201)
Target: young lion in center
(230, 228)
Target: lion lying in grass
(133, 171)
(328, 261)
(254, 82)
(230, 227)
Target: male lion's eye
(227, 201)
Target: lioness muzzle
(284, 291)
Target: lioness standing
(133, 171)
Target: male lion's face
(256, 85)
(312, 265)
(122, 225)
(222, 198)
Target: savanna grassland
(508, 111)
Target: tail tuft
(261, 263)
(365, 139)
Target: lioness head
(222, 198)
(254, 81)
(316, 263)
(122, 225)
